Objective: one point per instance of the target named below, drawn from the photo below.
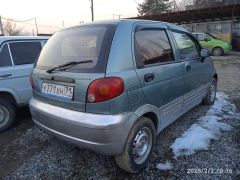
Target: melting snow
(166, 166)
(199, 135)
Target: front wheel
(138, 147)
(211, 94)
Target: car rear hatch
(66, 85)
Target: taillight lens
(31, 81)
(104, 89)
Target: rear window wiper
(67, 65)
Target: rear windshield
(78, 44)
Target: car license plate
(65, 92)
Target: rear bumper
(105, 134)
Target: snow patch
(164, 166)
(199, 135)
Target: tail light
(104, 89)
(31, 81)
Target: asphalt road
(28, 153)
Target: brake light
(104, 89)
(31, 81)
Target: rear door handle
(149, 77)
(188, 67)
(5, 75)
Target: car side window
(152, 47)
(202, 37)
(25, 52)
(188, 49)
(5, 59)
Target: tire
(217, 51)
(7, 114)
(211, 94)
(128, 160)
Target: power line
(22, 21)
(25, 22)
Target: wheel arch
(9, 96)
(153, 117)
(215, 76)
(150, 112)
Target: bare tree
(10, 28)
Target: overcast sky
(54, 12)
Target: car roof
(130, 21)
(198, 33)
(8, 38)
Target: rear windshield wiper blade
(67, 65)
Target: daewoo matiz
(112, 86)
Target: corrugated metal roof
(198, 15)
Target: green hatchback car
(217, 47)
(113, 86)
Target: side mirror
(204, 53)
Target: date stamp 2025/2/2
(209, 171)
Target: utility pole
(119, 16)
(92, 10)
(35, 19)
(1, 25)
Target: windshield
(84, 43)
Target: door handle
(5, 75)
(188, 67)
(149, 77)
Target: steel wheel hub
(4, 115)
(212, 93)
(218, 51)
(142, 145)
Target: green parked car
(216, 47)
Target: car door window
(152, 47)
(5, 59)
(25, 52)
(202, 37)
(188, 49)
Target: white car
(17, 56)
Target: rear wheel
(217, 51)
(7, 114)
(138, 147)
(211, 94)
